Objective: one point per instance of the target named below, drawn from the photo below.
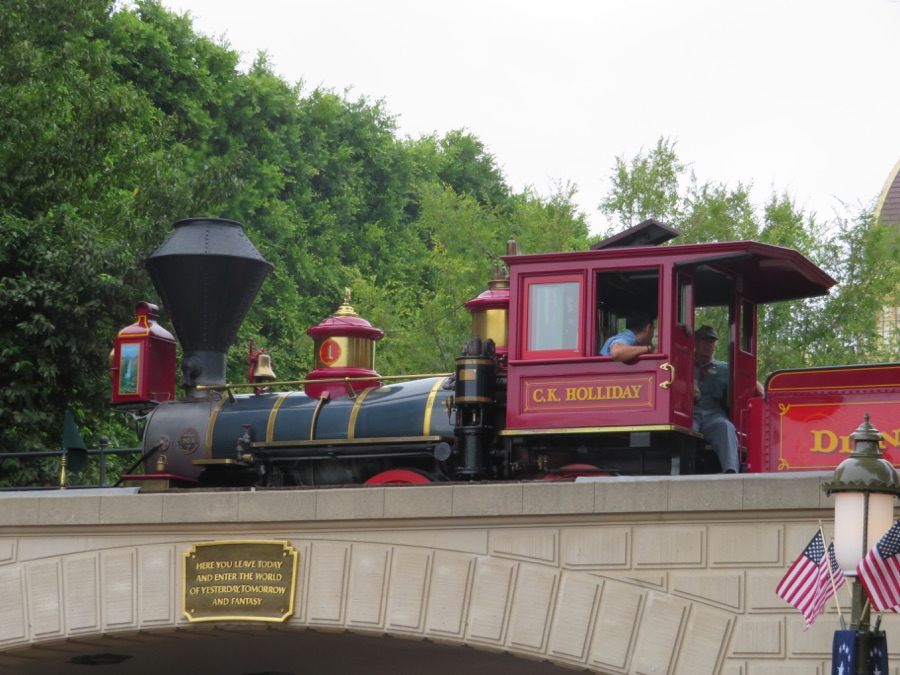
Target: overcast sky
(799, 96)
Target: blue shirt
(627, 337)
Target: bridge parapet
(617, 575)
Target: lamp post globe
(864, 487)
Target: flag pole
(834, 589)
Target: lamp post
(864, 487)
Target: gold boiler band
(212, 425)
(429, 405)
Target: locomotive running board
(398, 440)
(602, 430)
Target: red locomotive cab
(345, 354)
(637, 414)
(143, 362)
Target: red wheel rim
(399, 477)
(574, 471)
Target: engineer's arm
(623, 352)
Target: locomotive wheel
(574, 471)
(400, 477)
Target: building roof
(888, 208)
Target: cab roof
(766, 273)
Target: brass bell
(161, 463)
(262, 371)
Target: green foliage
(427, 324)
(470, 170)
(645, 187)
(116, 122)
(858, 252)
(844, 327)
(75, 143)
(552, 223)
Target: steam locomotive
(529, 397)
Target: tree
(427, 324)
(117, 122)
(857, 251)
(76, 142)
(645, 187)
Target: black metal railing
(102, 453)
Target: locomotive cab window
(553, 317)
(622, 293)
(685, 310)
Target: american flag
(879, 572)
(812, 579)
(832, 580)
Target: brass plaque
(240, 580)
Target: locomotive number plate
(240, 580)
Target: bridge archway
(672, 575)
(244, 649)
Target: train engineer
(711, 400)
(633, 341)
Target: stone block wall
(644, 576)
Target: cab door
(743, 360)
(681, 355)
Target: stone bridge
(615, 575)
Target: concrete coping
(701, 497)
(69, 492)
